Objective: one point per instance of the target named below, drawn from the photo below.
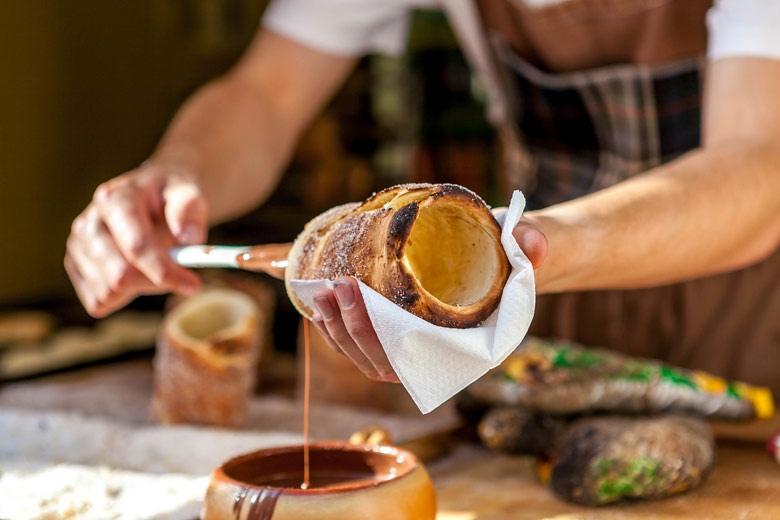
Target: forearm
(236, 134)
(233, 141)
(710, 211)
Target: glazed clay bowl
(348, 481)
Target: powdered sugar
(339, 252)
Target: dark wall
(86, 89)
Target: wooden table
(476, 484)
(471, 482)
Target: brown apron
(607, 89)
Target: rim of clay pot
(406, 465)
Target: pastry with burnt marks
(561, 377)
(433, 249)
(520, 431)
(602, 460)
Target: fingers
(81, 260)
(118, 247)
(347, 328)
(185, 213)
(532, 240)
(529, 236)
(103, 279)
(360, 328)
(320, 326)
(85, 294)
(337, 335)
(127, 213)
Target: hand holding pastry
(529, 235)
(340, 314)
(342, 320)
(532, 240)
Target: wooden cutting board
(475, 484)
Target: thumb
(185, 213)
(532, 241)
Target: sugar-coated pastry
(433, 249)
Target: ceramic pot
(348, 482)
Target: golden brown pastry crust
(433, 249)
(204, 367)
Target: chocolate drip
(263, 503)
(306, 395)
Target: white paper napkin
(434, 363)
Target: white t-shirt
(344, 27)
(356, 27)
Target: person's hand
(532, 240)
(343, 321)
(529, 236)
(118, 246)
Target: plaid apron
(589, 130)
(586, 130)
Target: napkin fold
(434, 363)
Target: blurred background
(89, 86)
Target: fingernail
(533, 243)
(388, 375)
(190, 235)
(316, 317)
(323, 305)
(344, 294)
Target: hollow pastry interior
(451, 256)
(211, 318)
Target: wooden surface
(478, 485)
(471, 483)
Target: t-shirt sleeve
(744, 28)
(343, 27)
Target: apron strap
(518, 171)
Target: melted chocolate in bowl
(334, 467)
(335, 479)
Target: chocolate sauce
(262, 502)
(333, 469)
(322, 480)
(306, 392)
